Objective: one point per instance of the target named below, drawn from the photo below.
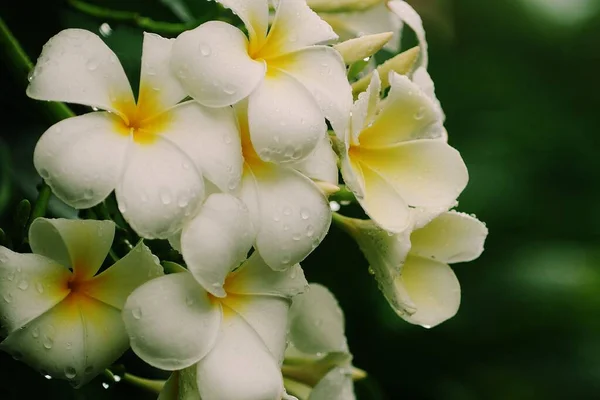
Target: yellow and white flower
(394, 155)
(154, 152)
(318, 364)
(59, 316)
(412, 267)
(291, 81)
(221, 348)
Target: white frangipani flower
(318, 365)
(60, 317)
(221, 348)
(290, 213)
(154, 152)
(392, 156)
(290, 81)
(412, 267)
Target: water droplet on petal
(23, 285)
(310, 231)
(165, 197)
(334, 205)
(287, 211)
(39, 287)
(305, 214)
(47, 342)
(89, 369)
(70, 372)
(205, 49)
(35, 333)
(92, 64)
(420, 113)
(137, 313)
(44, 173)
(105, 29)
(105, 385)
(231, 90)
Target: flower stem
(152, 385)
(343, 195)
(133, 18)
(41, 204)
(21, 66)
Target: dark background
(519, 83)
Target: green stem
(21, 66)
(5, 181)
(129, 17)
(344, 223)
(152, 385)
(41, 204)
(343, 195)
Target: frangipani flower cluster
(225, 152)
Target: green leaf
(180, 9)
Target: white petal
(321, 164)
(267, 315)
(30, 285)
(181, 385)
(296, 26)
(213, 64)
(432, 288)
(284, 119)
(362, 47)
(115, 284)
(157, 81)
(407, 114)
(76, 340)
(426, 173)
(254, 14)
(255, 277)
(240, 366)
(365, 108)
(422, 78)
(171, 321)
(293, 215)
(81, 158)
(411, 18)
(210, 138)
(217, 240)
(317, 322)
(336, 385)
(77, 67)
(452, 237)
(77, 244)
(323, 72)
(159, 189)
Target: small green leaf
(23, 213)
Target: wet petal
(217, 240)
(321, 164)
(76, 66)
(284, 119)
(115, 284)
(411, 18)
(293, 215)
(77, 244)
(336, 385)
(171, 321)
(81, 158)
(254, 14)
(323, 72)
(407, 114)
(30, 286)
(239, 366)
(426, 173)
(317, 322)
(159, 88)
(255, 277)
(210, 138)
(452, 237)
(213, 64)
(365, 108)
(159, 189)
(76, 340)
(433, 289)
(181, 385)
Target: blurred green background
(519, 81)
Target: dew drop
(92, 64)
(35, 333)
(334, 205)
(285, 259)
(229, 90)
(11, 276)
(48, 342)
(189, 301)
(226, 139)
(17, 355)
(305, 214)
(122, 208)
(296, 236)
(420, 113)
(70, 372)
(88, 194)
(165, 197)
(47, 376)
(137, 313)
(44, 173)
(183, 201)
(286, 227)
(89, 369)
(105, 385)
(23, 285)
(310, 231)
(371, 271)
(204, 49)
(287, 211)
(105, 29)
(39, 287)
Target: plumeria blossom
(291, 81)
(318, 364)
(154, 152)
(392, 156)
(221, 347)
(377, 18)
(412, 267)
(59, 316)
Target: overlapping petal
(365, 109)
(171, 321)
(432, 287)
(336, 385)
(30, 285)
(81, 246)
(293, 214)
(217, 240)
(411, 18)
(255, 15)
(240, 366)
(76, 66)
(285, 121)
(213, 64)
(322, 71)
(451, 237)
(81, 158)
(181, 385)
(321, 164)
(159, 189)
